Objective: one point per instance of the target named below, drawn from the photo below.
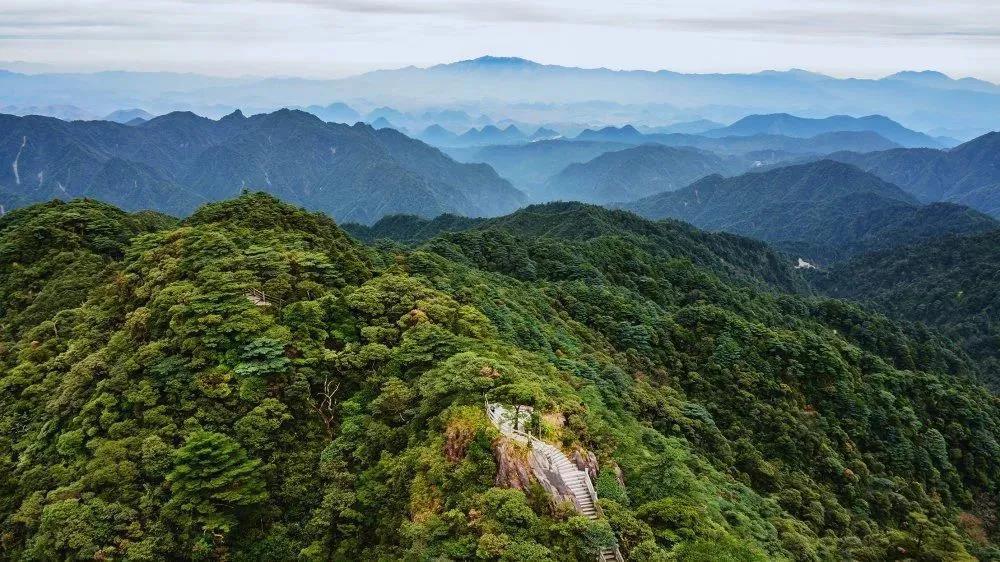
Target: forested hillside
(950, 284)
(823, 211)
(178, 161)
(968, 174)
(165, 414)
(731, 257)
(633, 173)
(528, 166)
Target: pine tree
(212, 478)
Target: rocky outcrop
(586, 461)
(513, 466)
(563, 479)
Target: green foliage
(212, 476)
(949, 284)
(163, 414)
(822, 211)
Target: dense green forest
(950, 284)
(150, 410)
(823, 211)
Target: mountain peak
(497, 62)
(919, 74)
(236, 115)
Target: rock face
(619, 476)
(513, 469)
(587, 461)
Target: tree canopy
(157, 412)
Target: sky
(331, 38)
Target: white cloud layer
(337, 37)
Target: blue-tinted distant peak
(924, 74)
(497, 62)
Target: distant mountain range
(486, 136)
(793, 126)
(131, 116)
(921, 101)
(178, 161)
(636, 172)
(860, 141)
(823, 211)
(968, 174)
(335, 113)
(695, 127)
(529, 165)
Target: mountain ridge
(791, 125)
(826, 210)
(966, 174)
(178, 161)
(634, 173)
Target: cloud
(260, 34)
(902, 19)
(898, 18)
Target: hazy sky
(337, 37)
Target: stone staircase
(557, 474)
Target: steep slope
(824, 210)
(487, 193)
(950, 284)
(634, 173)
(793, 126)
(968, 174)
(176, 162)
(172, 417)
